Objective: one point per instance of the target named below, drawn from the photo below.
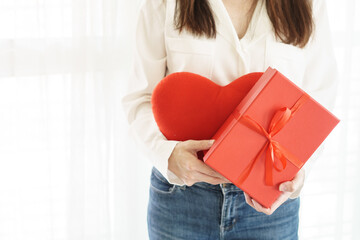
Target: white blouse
(160, 50)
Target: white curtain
(330, 207)
(68, 169)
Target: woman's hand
(183, 162)
(290, 189)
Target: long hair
(292, 20)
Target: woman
(222, 40)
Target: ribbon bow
(275, 151)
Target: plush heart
(189, 106)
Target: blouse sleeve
(148, 69)
(321, 75)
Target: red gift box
(269, 136)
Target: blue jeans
(205, 211)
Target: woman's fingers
(282, 198)
(294, 187)
(248, 200)
(268, 211)
(198, 165)
(198, 171)
(185, 164)
(260, 208)
(295, 184)
(257, 206)
(198, 145)
(254, 204)
(201, 167)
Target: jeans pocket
(159, 184)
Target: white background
(67, 167)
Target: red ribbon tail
(246, 172)
(289, 156)
(268, 168)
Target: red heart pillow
(189, 106)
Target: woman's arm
(321, 75)
(148, 69)
(176, 160)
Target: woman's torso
(227, 57)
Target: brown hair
(291, 19)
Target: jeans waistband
(226, 187)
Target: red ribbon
(275, 151)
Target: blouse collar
(258, 27)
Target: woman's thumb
(201, 144)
